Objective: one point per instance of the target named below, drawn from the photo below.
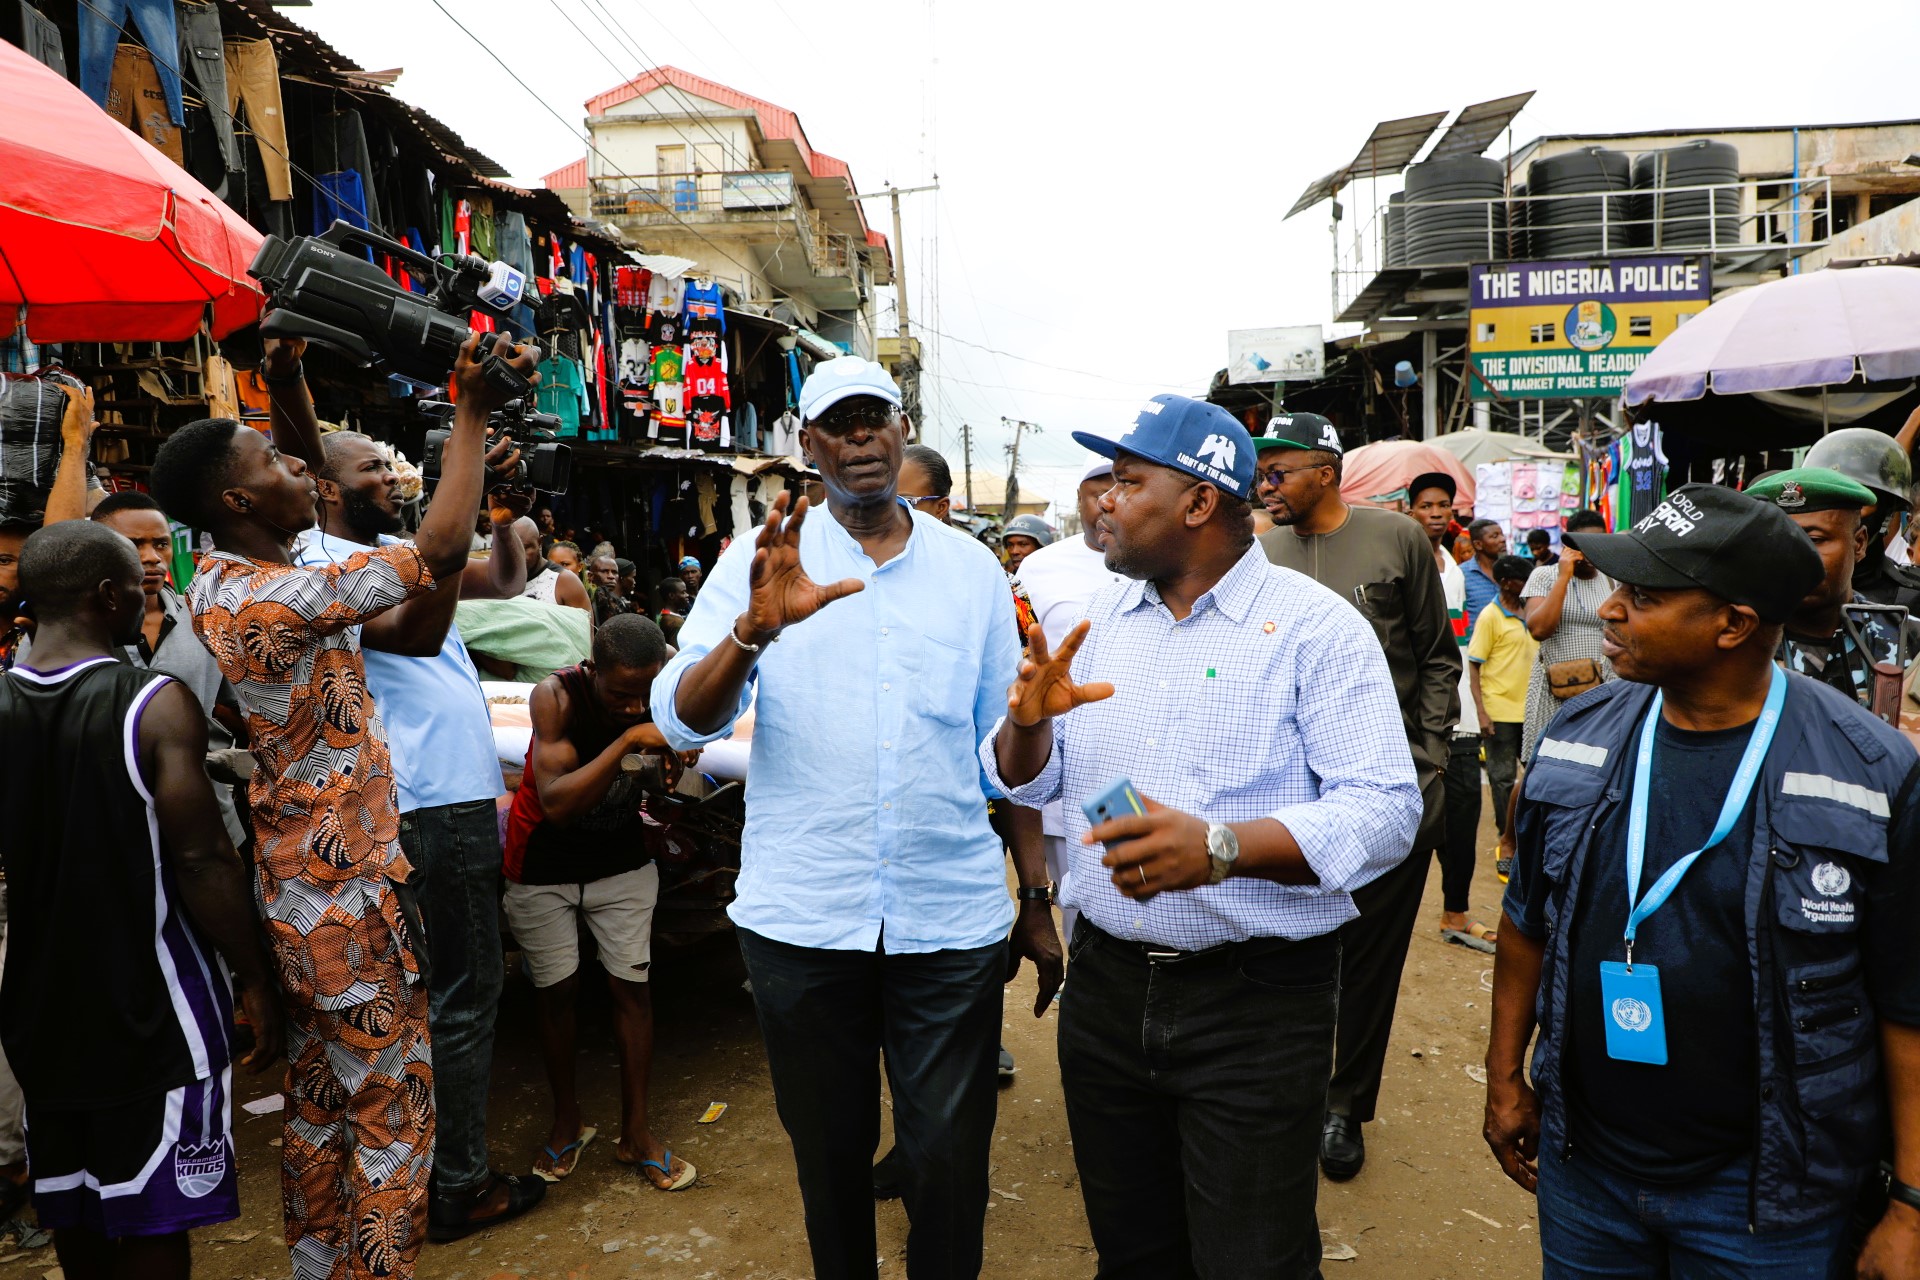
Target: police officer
(1859, 651)
(1722, 1065)
(1878, 462)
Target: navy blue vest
(1823, 807)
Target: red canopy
(101, 236)
(1375, 471)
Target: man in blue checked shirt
(872, 908)
(1253, 712)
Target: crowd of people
(1224, 726)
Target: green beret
(1808, 489)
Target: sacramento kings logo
(1831, 879)
(198, 1169)
(1632, 1015)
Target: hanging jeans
(38, 35)
(100, 23)
(340, 195)
(203, 63)
(340, 146)
(136, 97)
(253, 78)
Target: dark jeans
(455, 852)
(1195, 1089)
(1503, 763)
(826, 1016)
(1594, 1222)
(1463, 822)
(1373, 950)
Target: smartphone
(1117, 801)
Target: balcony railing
(749, 195)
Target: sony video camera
(322, 289)
(544, 464)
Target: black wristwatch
(1035, 893)
(1898, 1190)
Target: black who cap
(1705, 535)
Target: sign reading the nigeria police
(1553, 330)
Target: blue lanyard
(1742, 787)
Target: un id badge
(1636, 1021)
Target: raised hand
(781, 592)
(1044, 687)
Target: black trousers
(1463, 822)
(826, 1016)
(1373, 950)
(1194, 1092)
(1503, 765)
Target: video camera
(544, 464)
(319, 288)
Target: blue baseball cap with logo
(1201, 439)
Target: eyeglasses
(919, 499)
(1277, 476)
(873, 416)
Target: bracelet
(299, 374)
(733, 634)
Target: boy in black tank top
(115, 1009)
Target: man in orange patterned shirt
(331, 879)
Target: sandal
(554, 1171)
(1476, 936)
(665, 1167)
(450, 1218)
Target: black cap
(1704, 535)
(1299, 431)
(1433, 480)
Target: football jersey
(667, 364)
(708, 378)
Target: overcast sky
(1113, 177)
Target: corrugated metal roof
(1478, 125)
(1393, 144)
(567, 175)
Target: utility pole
(1013, 463)
(909, 365)
(966, 453)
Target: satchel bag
(1573, 677)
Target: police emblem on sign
(1632, 1015)
(198, 1169)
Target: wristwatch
(1035, 893)
(1223, 848)
(1898, 1190)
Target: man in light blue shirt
(428, 695)
(872, 906)
(1253, 713)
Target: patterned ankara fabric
(358, 1142)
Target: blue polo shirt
(1481, 589)
(433, 708)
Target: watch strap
(1035, 893)
(1907, 1195)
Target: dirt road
(1430, 1202)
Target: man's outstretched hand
(782, 593)
(1044, 687)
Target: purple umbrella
(1820, 329)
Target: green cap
(1808, 489)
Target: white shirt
(1060, 580)
(1453, 584)
(1271, 699)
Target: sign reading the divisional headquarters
(1548, 330)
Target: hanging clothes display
(1640, 470)
(703, 309)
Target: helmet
(1872, 458)
(1029, 527)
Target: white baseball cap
(834, 380)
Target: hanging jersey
(667, 364)
(1642, 475)
(109, 993)
(705, 310)
(707, 379)
(707, 422)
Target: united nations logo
(1632, 1015)
(1832, 879)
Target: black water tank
(1453, 233)
(1518, 210)
(1580, 228)
(1396, 247)
(1687, 219)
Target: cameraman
(428, 694)
(332, 881)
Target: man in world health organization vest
(1710, 922)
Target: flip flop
(1476, 936)
(665, 1166)
(574, 1148)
